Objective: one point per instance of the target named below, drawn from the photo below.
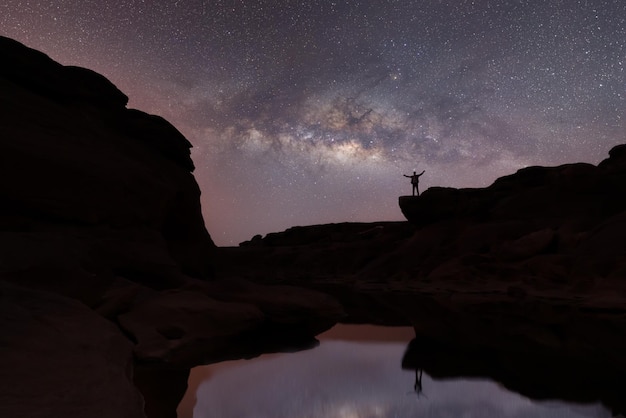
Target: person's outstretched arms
(406, 176)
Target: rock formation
(59, 358)
(105, 257)
(98, 208)
(111, 288)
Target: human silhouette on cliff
(415, 180)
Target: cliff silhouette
(111, 288)
(106, 265)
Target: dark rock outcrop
(98, 206)
(60, 359)
(572, 193)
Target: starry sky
(308, 112)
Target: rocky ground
(111, 288)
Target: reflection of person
(415, 180)
(418, 381)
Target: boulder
(60, 359)
(172, 326)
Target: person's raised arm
(421, 173)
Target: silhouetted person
(415, 181)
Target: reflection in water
(417, 387)
(537, 373)
(348, 379)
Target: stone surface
(60, 359)
(166, 324)
(79, 167)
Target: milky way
(305, 112)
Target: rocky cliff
(107, 288)
(98, 206)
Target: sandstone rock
(603, 249)
(59, 359)
(527, 246)
(557, 195)
(38, 73)
(99, 205)
(310, 311)
(616, 163)
(170, 325)
(73, 156)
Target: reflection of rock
(526, 368)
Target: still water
(354, 373)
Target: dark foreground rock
(60, 359)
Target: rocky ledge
(570, 194)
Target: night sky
(307, 112)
